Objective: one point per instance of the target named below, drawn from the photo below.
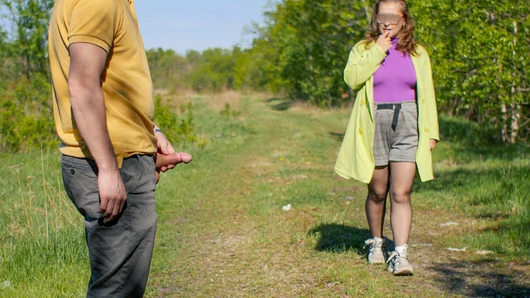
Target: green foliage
(25, 91)
(213, 70)
(179, 128)
(168, 69)
(459, 129)
(307, 45)
(478, 51)
(227, 111)
(25, 45)
(26, 118)
(479, 54)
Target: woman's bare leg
(401, 177)
(375, 201)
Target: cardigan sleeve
(432, 111)
(362, 64)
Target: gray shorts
(396, 132)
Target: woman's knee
(400, 196)
(377, 197)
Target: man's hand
(164, 147)
(166, 157)
(112, 195)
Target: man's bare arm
(87, 62)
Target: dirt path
(223, 232)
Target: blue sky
(197, 24)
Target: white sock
(402, 249)
(378, 240)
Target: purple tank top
(395, 79)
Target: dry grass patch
(219, 102)
(176, 99)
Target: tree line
(478, 50)
(478, 53)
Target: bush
(26, 117)
(178, 128)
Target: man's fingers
(122, 207)
(162, 148)
(112, 195)
(102, 205)
(163, 144)
(114, 209)
(109, 210)
(170, 148)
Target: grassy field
(222, 231)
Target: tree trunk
(505, 133)
(515, 108)
(516, 116)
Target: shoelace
(392, 256)
(395, 255)
(368, 242)
(372, 244)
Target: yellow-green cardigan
(356, 159)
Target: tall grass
(42, 251)
(485, 181)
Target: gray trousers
(120, 254)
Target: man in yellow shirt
(103, 109)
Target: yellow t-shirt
(126, 81)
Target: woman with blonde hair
(393, 126)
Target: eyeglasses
(392, 19)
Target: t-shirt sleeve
(94, 22)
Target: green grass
(486, 182)
(222, 231)
(42, 252)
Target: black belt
(391, 106)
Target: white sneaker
(398, 264)
(375, 251)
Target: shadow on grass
(279, 104)
(474, 141)
(337, 136)
(339, 238)
(482, 279)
